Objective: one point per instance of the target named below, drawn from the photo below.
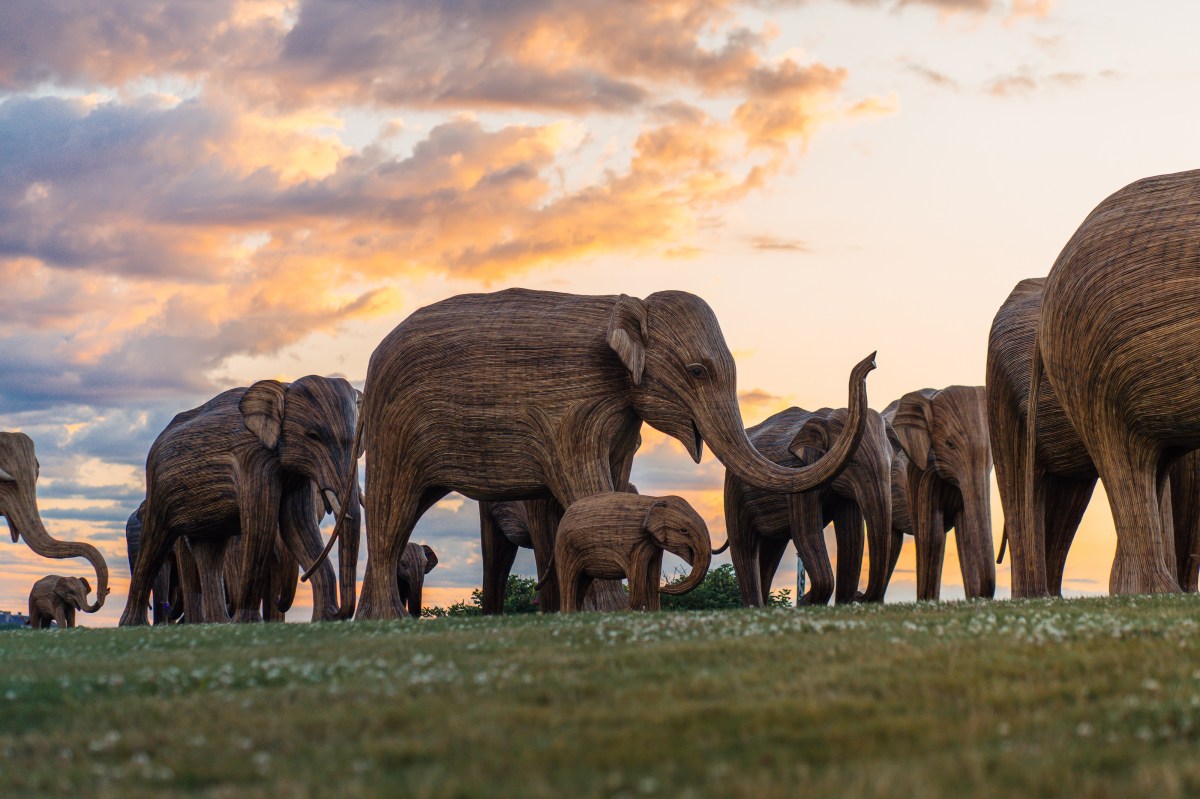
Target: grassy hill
(1091, 698)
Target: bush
(718, 591)
(520, 596)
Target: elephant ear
(655, 523)
(62, 589)
(87, 587)
(912, 425)
(431, 558)
(812, 440)
(627, 334)
(262, 411)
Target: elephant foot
(370, 609)
(251, 616)
(131, 618)
(330, 613)
(1131, 577)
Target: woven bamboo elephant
(620, 535)
(166, 601)
(945, 483)
(18, 504)
(245, 463)
(1118, 339)
(1057, 474)
(555, 387)
(56, 599)
(418, 561)
(761, 523)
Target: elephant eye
(949, 443)
(697, 370)
(313, 435)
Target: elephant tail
(546, 576)
(722, 548)
(1003, 545)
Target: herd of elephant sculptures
(531, 402)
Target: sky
(199, 194)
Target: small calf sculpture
(616, 535)
(56, 599)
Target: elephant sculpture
(555, 387)
(245, 463)
(56, 599)
(166, 601)
(418, 561)
(760, 523)
(1118, 339)
(620, 535)
(944, 473)
(18, 504)
(1057, 474)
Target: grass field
(1086, 698)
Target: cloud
(932, 76)
(1026, 82)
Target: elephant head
(685, 385)
(310, 425)
(947, 431)
(417, 561)
(18, 504)
(675, 527)
(73, 591)
(867, 479)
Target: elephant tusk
(332, 499)
(362, 499)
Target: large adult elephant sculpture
(555, 387)
(1057, 475)
(760, 523)
(1119, 341)
(945, 476)
(18, 504)
(244, 463)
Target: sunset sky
(197, 195)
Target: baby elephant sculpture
(614, 535)
(417, 561)
(56, 599)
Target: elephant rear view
(1119, 340)
(554, 387)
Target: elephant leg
(498, 556)
(157, 541)
(1018, 489)
(606, 596)
(743, 543)
(300, 533)
(573, 583)
(653, 577)
(770, 552)
(285, 577)
(808, 533)
(209, 554)
(543, 517)
(1066, 501)
(159, 595)
(60, 615)
(1129, 470)
(260, 498)
(391, 517)
(189, 583)
(897, 546)
(1185, 510)
(70, 614)
(848, 528)
(1168, 520)
(929, 529)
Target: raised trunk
(700, 560)
(43, 544)
(725, 433)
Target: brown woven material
(56, 599)
(621, 535)
(945, 484)
(244, 463)
(18, 505)
(760, 524)
(523, 395)
(1119, 341)
(166, 603)
(505, 527)
(418, 560)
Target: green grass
(1089, 698)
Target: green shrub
(520, 596)
(719, 590)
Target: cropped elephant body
(56, 599)
(760, 524)
(1118, 338)
(18, 505)
(555, 387)
(620, 535)
(245, 464)
(943, 469)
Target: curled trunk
(45, 545)
(700, 559)
(726, 435)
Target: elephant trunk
(701, 557)
(726, 435)
(973, 534)
(876, 504)
(348, 533)
(414, 598)
(42, 543)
